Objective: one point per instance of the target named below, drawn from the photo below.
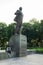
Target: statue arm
(17, 12)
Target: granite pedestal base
(18, 44)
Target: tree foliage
(33, 31)
(3, 34)
(11, 30)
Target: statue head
(20, 8)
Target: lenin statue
(18, 19)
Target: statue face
(20, 8)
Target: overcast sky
(31, 9)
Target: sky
(31, 9)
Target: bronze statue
(18, 19)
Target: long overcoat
(19, 16)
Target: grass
(38, 50)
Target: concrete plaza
(31, 59)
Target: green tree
(31, 30)
(41, 33)
(27, 28)
(3, 34)
(11, 30)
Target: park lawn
(38, 50)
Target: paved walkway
(32, 59)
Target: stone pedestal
(18, 44)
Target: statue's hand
(17, 12)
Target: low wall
(5, 55)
